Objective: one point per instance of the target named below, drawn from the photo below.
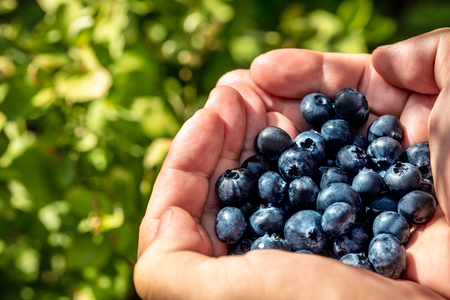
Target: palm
(275, 101)
(221, 137)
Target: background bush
(92, 93)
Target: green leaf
(244, 49)
(85, 253)
(83, 86)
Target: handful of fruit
(330, 191)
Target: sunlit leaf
(83, 86)
(156, 152)
(244, 49)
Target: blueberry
(427, 185)
(368, 183)
(417, 207)
(257, 165)
(339, 192)
(271, 188)
(304, 251)
(267, 220)
(296, 162)
(337, 132)
(334, 175)
(419, 155)
(271, 241)
(359, 260)
(385, 125)
(387, 255)
(313, 142)
(382, 202)
(248, 208)
(338, 218)
(351, 105)
(241, 247)
(360, 141)
(272, 141)
(351, 159)
(303, 191)
(230, 225)
(303, 230)
(316, 109)
(354, 241)
(392, 223)
(235, 186)
(384, 152)
(402, 178)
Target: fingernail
(164, 221)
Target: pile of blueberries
(330, 191)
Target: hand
(179, 254)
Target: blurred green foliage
(92, 93)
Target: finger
(228, 103)
(279, 120)
(415, 117)
(439, 124)
(294, 73)
(418, 64)
(174, 267)
(255, 111)
(428, 259)
(184, 178)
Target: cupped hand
(179, 255)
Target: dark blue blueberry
(329, 160)
(235, 186)
(339, 192)
(359, 260)
(334, 175)
(272, 188)
(248, 208)
(351, 105)
(354, 241)
(427, 185)
(328, 250)
(257, 165)
(417, 207)
(338, 218)
(337, 132)
(304, 231)
(303, 191)
(351, 159)
(287, 207)
(230, 225)
(368, 183)
(271, 241)
(402, 178)
(272, 141)
(360, 141)
(385, 125)
(384, 152)
(382, 202)
(304, 251)
(419, 155)
(316, 109)
(296, 162)
(387, 255)
(241, 247)
(267, 220)
(392, 223)
(313, 142)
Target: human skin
(179, 255)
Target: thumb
(418, 64)
(178, 231)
